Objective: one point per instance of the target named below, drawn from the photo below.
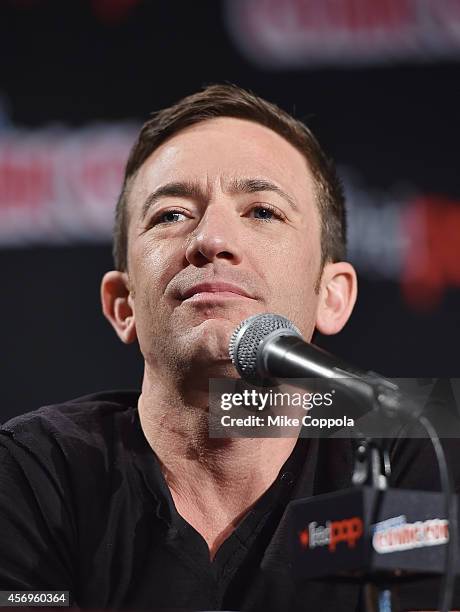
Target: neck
(232, 471)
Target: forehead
(219, 150)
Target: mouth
(214, 291)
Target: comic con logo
(396, 534)
(332, 533)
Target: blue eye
(170, 216)
(265, 213)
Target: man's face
(223, 224)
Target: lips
(214, 287)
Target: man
(229, 208)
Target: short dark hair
(233, 101)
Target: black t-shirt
(84, 507)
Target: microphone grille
(246, 339)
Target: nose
(216, 237)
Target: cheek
(297, 260)
(154, 264)
(294, 278)
(152, 268)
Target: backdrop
(379, 84)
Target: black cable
(447, 585)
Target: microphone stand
(345, 547)
(372, 468)
(371, 532)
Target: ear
(118, 305)
(338, 290)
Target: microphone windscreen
(247, 338)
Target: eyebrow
(254, 185)
(178, 189)
(184, 189)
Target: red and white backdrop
(379, 82)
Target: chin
(210, 339)
(200, 343)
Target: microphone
(269, 346)
(364, 532)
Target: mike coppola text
(269, 412)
